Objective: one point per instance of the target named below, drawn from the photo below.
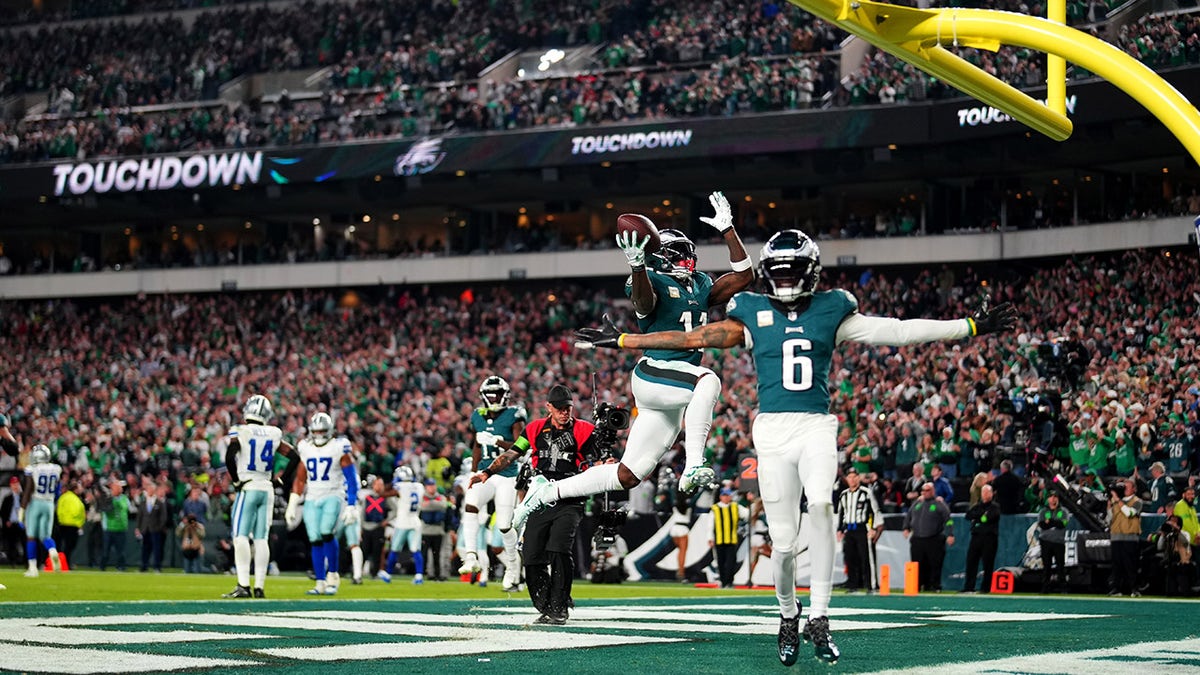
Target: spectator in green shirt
(116, 523)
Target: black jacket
(984, 518)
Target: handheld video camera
(610, 419)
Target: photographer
(190, 533)
(562, 446)
(1125, 533)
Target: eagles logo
(422, 157)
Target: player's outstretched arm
(878, 330)
(723, 335)
(730, 283)
(642, 293)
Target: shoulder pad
(520, 412)
(848, 296)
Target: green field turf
(171, 622)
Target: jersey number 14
(267, 456)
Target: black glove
(237, 485)
(1002, 317)
(606, 336)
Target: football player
(496, 426)
(670, 387)
(407, 524)
(349, 528)
(327, 490)
(41, 489)
(250, 460)
(791, 331)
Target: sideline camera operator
(562, 446)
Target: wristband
(741, 265)
(489, 471)
(637, 268)
(621, 341)
(972, 327)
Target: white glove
(486, 438)
(722, 221)
(350, 516)
(291, 516)
(635, 253)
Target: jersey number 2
(797, 366)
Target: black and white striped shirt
(857, 509)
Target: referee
(858, 525)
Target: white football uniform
(325, 493)
(256, 454)
(39, 515)
(324, 465)
(407, 522)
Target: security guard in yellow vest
(726, 517)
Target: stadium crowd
(392, 72)
(141, 390)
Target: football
(642, 226)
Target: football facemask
(494, 391)
(678, 252)
(320, 427)
(790, 266)
(39, 455)
(402, 474)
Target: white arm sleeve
(879, 330)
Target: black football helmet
(678, 252)
(494, 391)
(790, 266)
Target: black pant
(549, 563)
(95, 543)
(372, 547)
(1125, 565)
(928, 553)
(981, 549)
(726, 555)
(1053, 562)
(114, 550)
(857, 554)
(431, 547)
(67, 538)
(152, 547)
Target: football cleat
(384, 577)
(356, 582)
(418, 579)
(31, 573)
(470, 563)
(238, 592)
(319, 589)
(540, 495)
(789, 638)
(696, 478)
(816, 631)
(259, 593)
(332, 581)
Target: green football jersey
(681, 305)
(792, 350)
(500, 423)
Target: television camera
(610, 421)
